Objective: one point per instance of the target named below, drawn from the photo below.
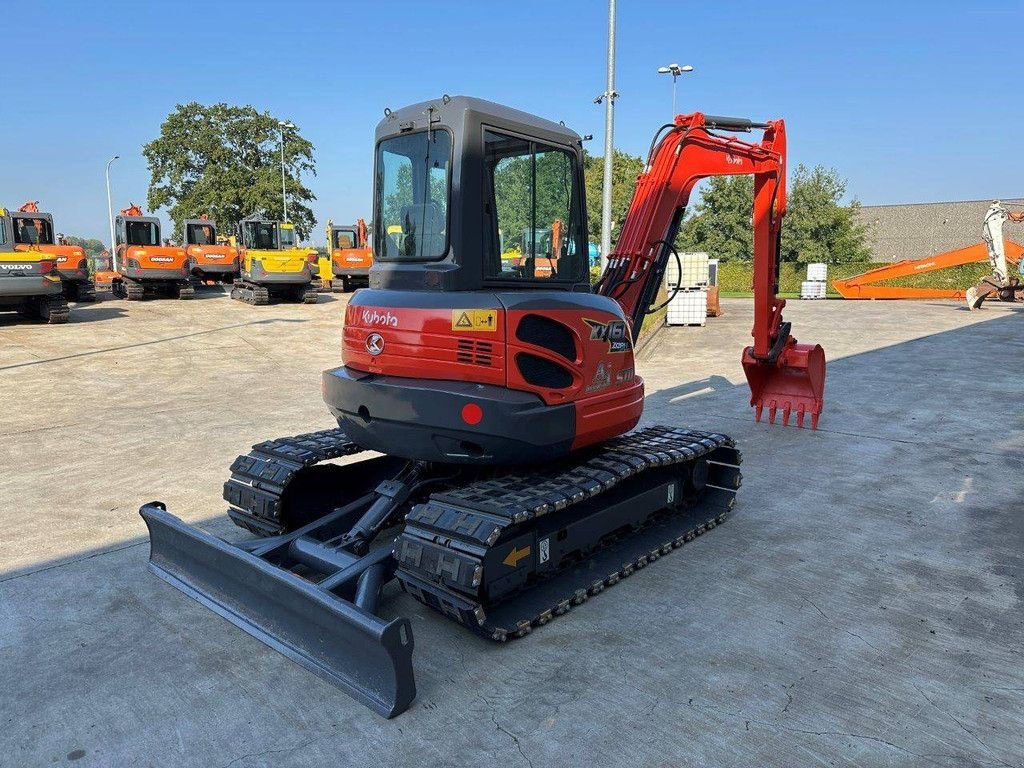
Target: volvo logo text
(374, 344)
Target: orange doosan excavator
(144, 266)
(207, 258)
(33, 229)
(351, 257)
(490, 406)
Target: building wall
(917, 230)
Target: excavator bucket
(793, 384)
(368, 657)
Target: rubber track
(260, 477)
(442, 549)
(250, 293)
(54, 310)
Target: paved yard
(861, 607)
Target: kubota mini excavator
(272, 265)
(34, 229)
(29, 281)
(208, 259)
(510, 487)
(143, 265)
(351, 256)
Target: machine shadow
(445, 651)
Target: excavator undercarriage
(497, 550)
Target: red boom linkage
(782, 374)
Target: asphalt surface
(861, 606)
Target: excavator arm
(782, 374)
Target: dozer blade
(793, 384)
(367, 657)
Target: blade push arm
(782, 374)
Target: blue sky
(910, 101)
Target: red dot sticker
(472, 413)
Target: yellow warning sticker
(474, 320)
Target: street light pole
(110, 217)
(675, 70)
(609, 123)
(282, 124)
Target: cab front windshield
(411, 196)
(200, 234)
(32, 231)
(260, 235)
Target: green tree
(625, 169)
(90, 245)
(817, 227)
(225, 161)
(720, 222)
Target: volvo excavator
(33, 229)
(29, 281)
(145, 266)
(272, 264)
(509, 484)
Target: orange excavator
(351, 257)
(144, 266)
(33, 229)
(489, 409)
(209, 259)
(866, 285)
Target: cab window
(32, 231)
(200, 234)
(532, 210)
(141, 233)
(411, 196)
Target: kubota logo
(374, 344)
(380, 318)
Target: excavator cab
(526, 171)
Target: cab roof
(457, 111)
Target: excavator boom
(865, 285)
(783, 375)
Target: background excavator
(993, 248)
(34, 229)
(29, 281)
(272, 265)
(508, 486)
(144, 266)
(351, 256)
(1000, 283)
(208, 259)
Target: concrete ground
(861, 607)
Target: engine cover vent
(541, 372)
(474, 352)
(544, 332)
